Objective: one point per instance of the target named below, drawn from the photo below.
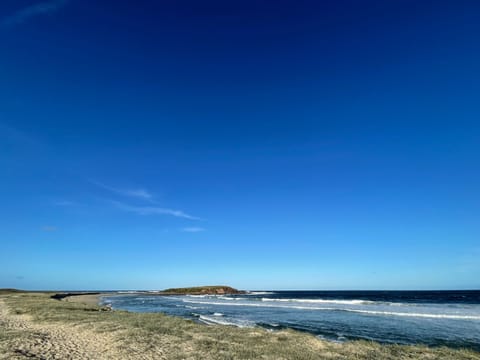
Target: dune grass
(158, 336)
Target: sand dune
(54, 341)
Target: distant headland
(202, 290)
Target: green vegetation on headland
(34, 325)
(203, 290)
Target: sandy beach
(32, 325)
(84, 299)
(52, 341)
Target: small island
(203, 290)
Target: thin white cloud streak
(139, 193)
(28, 12)
(153, 210)
(193, 229)
(135, 193)
(17, 138)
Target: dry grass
(33, 325)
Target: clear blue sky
(259, 144)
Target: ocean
(433, 318)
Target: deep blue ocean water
(433, 318)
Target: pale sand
(54, 341)
(78, 341)
(84, 299)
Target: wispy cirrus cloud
(139, 193)
(193, 229)
(135, 193)
(18, 139)
(144, 195)
(153, 210)
(24, 14)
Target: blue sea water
(434, 318)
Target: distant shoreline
(93, 298)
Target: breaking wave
(361, 311)
(321, 301)
(218, 320)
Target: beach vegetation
(147, 335)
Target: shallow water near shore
(434, 318)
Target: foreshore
(33, 325)
(88, 299)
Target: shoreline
(37, 326)
(208, 320)
(87, 299)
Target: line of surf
(321, 301)
(368, 312)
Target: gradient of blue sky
(260, 144)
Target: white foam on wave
(212, 296)
(369, 312)
(227, 298)
(104, 301)
(432, 316)
(212, 320)
(321, 301)
(273, 324)
(260, 293)
(258, 305)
